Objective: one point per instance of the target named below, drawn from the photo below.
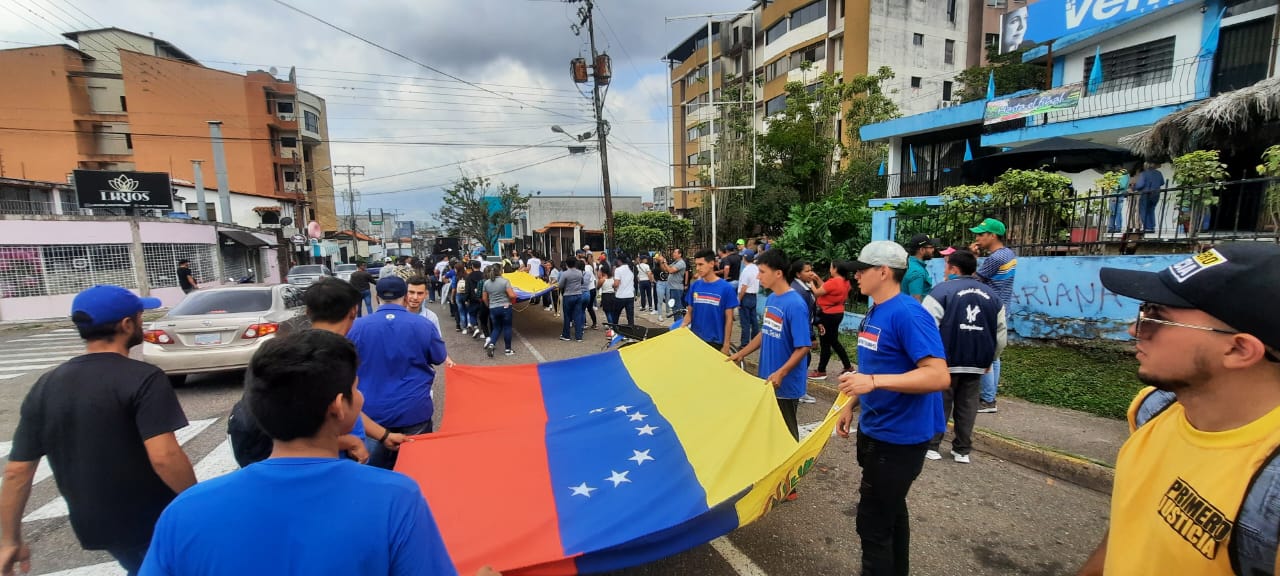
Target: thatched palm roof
(1232, 120)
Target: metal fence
(923, 183)
(40, 207)
(32, 270)
(1098, 223)
(162, 263)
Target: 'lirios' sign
(114, 189)
(1038, 103)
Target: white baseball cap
(882, 253)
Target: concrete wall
(586, 210)
(893, 22)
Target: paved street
(990, 517)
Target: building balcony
(921, 184)
(285, 121)
(1152, 87)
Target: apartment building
(925, 42)
(118, 100)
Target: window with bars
(1141, 65)
(162, 263)
(32, 270)
(949, 52)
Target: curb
(1078, 470)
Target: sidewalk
(1070, 445)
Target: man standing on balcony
(997, 271)
(1148, 186)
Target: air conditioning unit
(286, 117)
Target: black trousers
(960, 403)
(789, 407)
(884, 525)
(590, 305)
(830, 340)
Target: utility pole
(601, 73)
(350, 171)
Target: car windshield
(308, 269)
(345, 268)
(223, 302)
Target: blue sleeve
(419, 550)
(730, 297)
(798, 331)
(436, 352)
(989, 267)
(920, 336)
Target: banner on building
(1039, 103)
(115, 189)
(1052, 19)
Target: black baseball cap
(1232, 282)
(392, 288)
(918, 241)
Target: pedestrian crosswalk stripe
(26, 367)
(34, 339)
(52, 336)
(35, 359)
(61, 330)
(217, 462)
(11, 376)
(104, 569)
(58, 507)
(43, 350)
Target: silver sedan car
(219, 329)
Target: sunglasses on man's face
(1148, 319)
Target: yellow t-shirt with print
(1178, 490)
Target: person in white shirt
(624, 285)
(748, 289)
(590, 274)
(644, 284)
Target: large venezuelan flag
(605, 461)
(526, 286)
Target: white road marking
(45, 340)
(54, 336)
(219, 461)
(44, 349)
(11, 376)
(58, 507)
(40, 358)
(71, 330)
(26, 367)
(736, 559)
(104, 569)
(534, 351)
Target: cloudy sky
(517, 50)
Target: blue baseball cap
(106, 304)
(392, 288)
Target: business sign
(404, 230)
(113, 189)
(298, 239)
(1039, 103)
(1052, 19)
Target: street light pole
(350, 171)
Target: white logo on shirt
(971, 313)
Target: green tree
(1199, 176)
(473, 211)
(677, 231)
(636, 238)
(1011, 75)
(831, 229)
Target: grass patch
(1093, 379)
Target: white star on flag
(638, 416)
(647, 430)
(597, 410)
(623, 409)
(582, 490)
(640, 457)
(618, 477)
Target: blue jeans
(368, 303)
(433, 291)
(678, 295)
(748, 319)
(989, 382)
(660, 303)
(1147, 203)
(1116, 222)
(501, 320)
(464, 311)
(573, 313)
(646, 293)
(383, 458)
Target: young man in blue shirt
(303, 393)
(784, 337)
(999, 271)
(902, 369)
(711, 301)
(398, 354)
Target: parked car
(343, 271)
(307, 274)
(219, 329)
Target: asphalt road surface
(988, 517)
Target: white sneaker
(807, 399)
(961, 458)
(933, 455)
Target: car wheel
(177, 380)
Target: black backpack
(1256, 534)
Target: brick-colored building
(124, 101)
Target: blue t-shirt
(300, 516)
(398, 350)
(707, 302)
(895, 335)
(785, 328)
(999, 270)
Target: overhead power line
(248, 139)
(428, 186)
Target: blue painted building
(1152, 65)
